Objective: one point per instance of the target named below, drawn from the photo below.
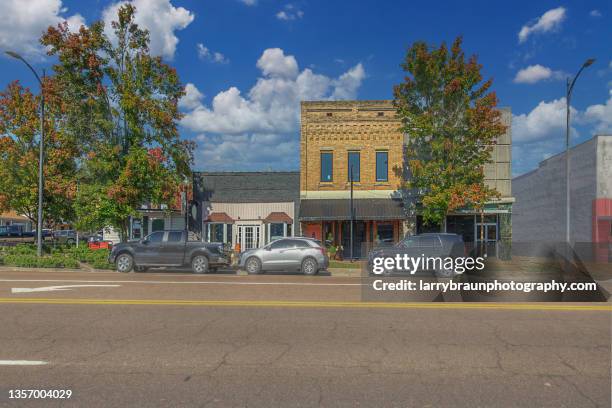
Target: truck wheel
(124, 263)
(309, 266)
(199, 264)
(253, 266)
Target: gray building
(246, 208)
(539, 212)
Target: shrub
(32, 261)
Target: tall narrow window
(353, 165)
(327, 166)
(382, 166)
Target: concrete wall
(540, 207)
(604, 167)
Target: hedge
(32, 261)
(24, 255)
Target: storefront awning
(279, 216)
(339, 209)
(220, 217)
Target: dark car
(432, 245)
(168, 248)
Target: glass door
(249, 236)
(490, 235)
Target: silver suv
(286, 254)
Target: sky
(246, 64)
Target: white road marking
(184, 282)
(22, 362)
(56, 288)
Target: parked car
(15, 233)
(65, 236)
(168, 248)
(440, 245)
(46, 233)
(286, 254)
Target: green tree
(451, 120)
(19, 147)
(122, 102)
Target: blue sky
(247, 63)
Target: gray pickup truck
(168, 249)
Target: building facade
(540, 209)
(365, 136)
(12, 218)
(337, 137)
(246, 209)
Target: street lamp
(41, 152)
(568, 95)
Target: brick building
(365, 136)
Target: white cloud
(549, 21)
(536, 73)
(206, 55)
(544, 121)
(160, 17)
(260, 127)
(274, 63)
(289, 13)
(595, 13)
(541, 132)
(192, 98)
(347, 85)
(23, 23)
(249, 2)
(600, 116)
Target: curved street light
(41, 152)
(568, 96)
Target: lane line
(182, 282)
(314, 304)
(22, 363)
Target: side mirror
(144, 241)
(268, 248)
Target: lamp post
(568, 96)
(41, 156)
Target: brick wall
(368, 126)
(343, 126)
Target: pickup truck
(168, 248)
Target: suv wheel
(70, 241)
(252, 266)
(199, 264)
(124, 263)
(309, 266)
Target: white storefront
(251, 225)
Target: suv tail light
(322, 250)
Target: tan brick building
(365, 136)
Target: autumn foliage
(112, 141)
(449, 114)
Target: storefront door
(490, 235)
(249, 236)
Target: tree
(451, 120)
(19, 147)
(122, 102)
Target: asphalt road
(175, 339)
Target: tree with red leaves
(451, 120)
(120, 102)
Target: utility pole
(41, 156)
(352, 209)
(568, 96)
